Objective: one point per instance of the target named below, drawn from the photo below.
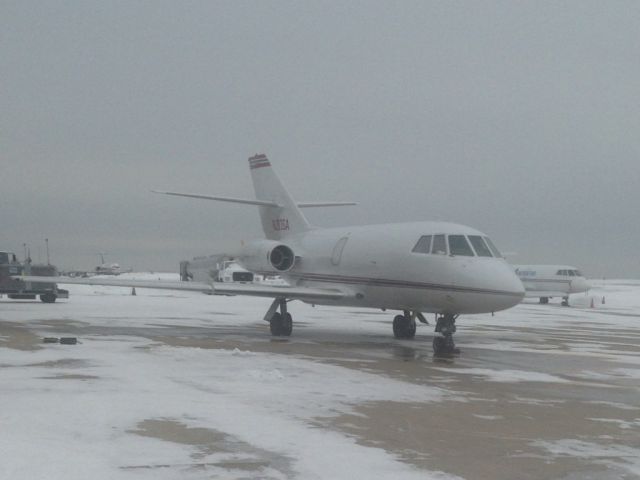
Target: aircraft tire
(275, 324)
(281, 326)
(287, 325)
(403, 327)
(544, 300)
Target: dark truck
(19, 290)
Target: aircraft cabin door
(336, 256)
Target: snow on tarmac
(76, 411)
(125, 404)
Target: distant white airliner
(548, 281)
(414, 268)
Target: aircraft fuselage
(377, 265)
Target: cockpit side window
(578, 273)
(439, 246)
(572, 273)
(492, 247)
(458, 245)
(423, 245)
(479, 246)
(562, 273)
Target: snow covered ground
(184, 385)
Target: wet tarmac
(554, 394)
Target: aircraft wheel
(544, 300)
(275, 324)
(48, 297)
(287, 325)
(281, 326)
(403, 327)
(565, 302)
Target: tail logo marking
(259, 161)
(280, 224)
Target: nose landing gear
(443, 344)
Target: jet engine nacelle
(267, 256)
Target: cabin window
(492, 247)
(439, 246)
(337, 251)
(423, 245)
(479, 246)
(458, 245)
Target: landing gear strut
(280, 323)
(404, 326)
(443, 344)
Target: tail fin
(285, 218)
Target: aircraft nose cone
(508, 282)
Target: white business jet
(548, 281)
(414, 268)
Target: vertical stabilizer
(283, 220)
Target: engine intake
(282, 258)
(267, 256)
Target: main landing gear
(280, 323)
(404, 326)
(443, 344)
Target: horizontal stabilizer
(248, 201)
(245, 201)
(215, 288)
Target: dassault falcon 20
(414, 268)
(548, 281)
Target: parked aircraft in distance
(414, 268)
(548, 281)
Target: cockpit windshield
(463, 245)
(458, 245)
(479, 246)
(492, 247)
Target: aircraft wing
(215, 288)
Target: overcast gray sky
(521, 119)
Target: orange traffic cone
(133, 290)
(592, 305)
(603, 300)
